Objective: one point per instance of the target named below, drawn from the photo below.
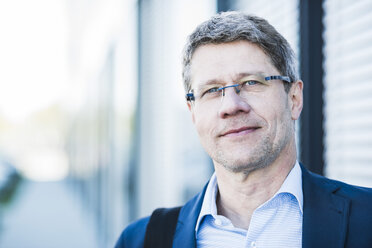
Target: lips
(239, 131)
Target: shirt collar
(209, 201)
(292, 184)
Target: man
(244, 95)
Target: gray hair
(233, 26)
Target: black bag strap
(161, 228)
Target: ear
(296, 99)
(189, 105)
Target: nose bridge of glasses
(235, 86)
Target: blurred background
(94, 129)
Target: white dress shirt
(276, 223)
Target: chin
(237, 165)
(246, 160)
(246, 167)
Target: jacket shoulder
(351, 192)
(345, 190)
(133, 235)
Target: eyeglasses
(252, 83)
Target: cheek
(204, 123)
(264, 109)
(282, 118)
(272, 110)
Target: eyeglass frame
(191, 97)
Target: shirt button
(218, 222)
(253, 244)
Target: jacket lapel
(325, 212)
(185, 231)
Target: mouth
(239, 132)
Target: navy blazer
(335, 215)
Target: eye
(211, 91)
(250, 83)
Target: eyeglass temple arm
(190, 97)
(284, 78)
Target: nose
(232, 104)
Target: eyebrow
(247, 74)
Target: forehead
(224, 62)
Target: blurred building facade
(103, 67)
(348, 90)
(132, 146)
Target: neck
(240, 193)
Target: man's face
(242, 134)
